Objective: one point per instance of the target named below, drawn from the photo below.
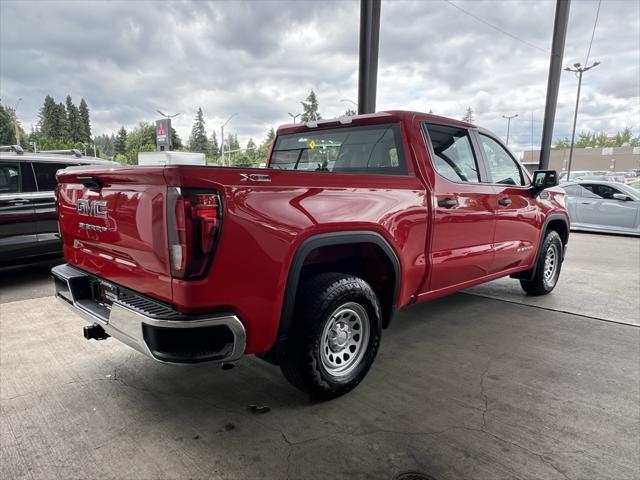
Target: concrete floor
(464, 387)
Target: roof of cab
(371, 119)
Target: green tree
(141, 139)
(120, 142)
(105, 144)
(468, 116)
(350, 113)
(263, 151)
(62, 127)
(47, 125)
(562, 143)
(198, 140)
(73, 118)
(176, 142)
(310, 111)
(7, 128)
(214, 148)
(85, 122)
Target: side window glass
(46, 175)
(572, 190)
(9, 178)
(28, 180)
(502, 167)
(588, 191)
(454, 157)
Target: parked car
(601, 206)
(28, 217)
(304, 262)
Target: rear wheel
(335, 335)
(548, 266)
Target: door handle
(447, 203)
(505, 202)
(18, 201)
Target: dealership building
(613, 159)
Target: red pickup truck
(305, 262)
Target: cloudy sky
(259, 59)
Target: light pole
(294, 116)
(350, 101)
(509, 124)
(579, 69)
(222, 138)
(15, 121)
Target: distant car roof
(55, 158)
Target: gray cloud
(259, 59)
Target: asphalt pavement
(465, 387)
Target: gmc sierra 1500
(305, 262)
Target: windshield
(372, 149)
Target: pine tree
(48, 118)
(176, 141)
(62, 129)
(7, 129)
(468, 116)
(85, 122)
(310, 108)
(73, 117)
(214, 148)
(120, 143)
(233, 144)
(198, 139)
(271, 135)
(350, 113)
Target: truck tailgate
(113, 224)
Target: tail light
(194, 218)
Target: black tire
(322, 303)
(542, 282)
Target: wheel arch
(298, 266)
(558, 222)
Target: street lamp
(294, 116)
(509, 124)
(167, 116)
(15, 121)
(222, 138)
(579, 70)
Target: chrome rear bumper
(151, 327)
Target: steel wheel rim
(344, 340)
(551, 265)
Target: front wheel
(547, 267)
(335, 335)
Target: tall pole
(509, 124)
(553, 83)
(222, 139)
(15, 121)
(368, 65)
(579, 69)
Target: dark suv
(28, 217)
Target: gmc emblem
(95, 208)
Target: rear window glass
(46, 175)
(375, 149)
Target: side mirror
(621, 196)
(544, 179)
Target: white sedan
(599, 206)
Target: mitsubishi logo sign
(163, 134)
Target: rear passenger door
(44, 204)
(463, 219)
(17, 222)
(517, 229)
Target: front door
(17, 224)
(463, 220)
(517, 229)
